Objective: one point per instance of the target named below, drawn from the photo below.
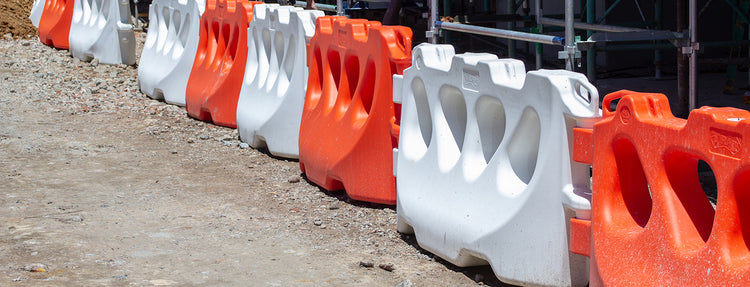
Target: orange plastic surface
(213, 87)
(652, 224)
(349, 127)
(54, 26)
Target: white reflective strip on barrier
(484, 163)
(269, 110)
(169, 51)
(36, 12)
(101, 29)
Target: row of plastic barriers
(486, 163)
(90, 29)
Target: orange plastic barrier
(54, 26)
(213, 87)
(652, 224)
(349, 127)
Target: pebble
(204, 137)
(366, 264)
(405, 283)
(94, 62)
(294, 179)
(35, 267)
(244, 145)
(317, 222)
(387, 267)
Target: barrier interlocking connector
(36, 12)
(215, 81)
(102, 29)
(652, 222)
(269, 110)
(54, 26)
(483, 171)
(349, 126)
(170, 47)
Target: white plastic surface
(36, 12)
(169, 51)
(484, 171)
(269, 110)
(102, 29)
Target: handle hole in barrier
(315, 80)
(696, 212)
(612, 107)
(424, 116)
(582, 92)
(289, 57)
(454, 109)
(331, 79)
(523, 149)
(491, 122)
(366, 92)
(633, 186)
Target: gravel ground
(104, 186)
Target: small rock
(228, 143)
(25, 44)
(323, 226)
(318, 222)
(204, 137)
(244, 145)
(387, 267)
(366, 264)
(190, 141)
(405, 283)
(294, 179)
(94, 62)
(174, 152)
(74, 218)
(35, 267)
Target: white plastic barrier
(36, 12)
(169, 51)
(484, 171)
(269, 110)
(102, 29)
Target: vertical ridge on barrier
(215, 81)
(36, 12)
(170, 48)
(102, 29)
(349, 125)
(269, 110)
(652, 223)
(54, 25)
(483, 169)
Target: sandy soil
(100, 185)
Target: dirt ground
(15, 18)
(100, 185)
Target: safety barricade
(269, 110)
(102, 29)
(36, 12)
(483, 169)
(169, 51)
(54, 26)
(652, 223)
(215, 81)
(348, 126)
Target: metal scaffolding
(686, 43)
